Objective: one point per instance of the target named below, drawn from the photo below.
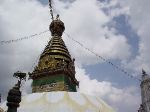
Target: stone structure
(145, 92)
(55, 70)
(14, 94)
(141, 109)
(14, 98)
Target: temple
(55, 70)
(54, 86)
(54, 83)
(145, 93)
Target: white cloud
(114, 8)
(84, 21)
(88, 24)
(19, 19)
(26, 87)
(139, 20)
(123, 99)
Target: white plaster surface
(61, 102)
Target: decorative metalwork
(55, 61)
(57, 27)
(21, 76)
(14, 95)
(51, 9)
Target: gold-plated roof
(56, 47)
(55, 53)
(57, 27)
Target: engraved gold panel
(59, 86)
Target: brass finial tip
(143, 72)
(20, 75)
(57, 17)
(57, 27)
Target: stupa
(55, 70)
(54, 83)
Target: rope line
(97, 55)
(37, 59)
(104, 59)
(23, 38)
(51, 9)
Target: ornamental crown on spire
(57, 27)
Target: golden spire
(57, 27)
(55, 65)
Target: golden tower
(55, 70)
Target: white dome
(61, 102)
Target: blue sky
(126, 45)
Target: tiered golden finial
(55, 70)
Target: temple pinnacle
(57, 27)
